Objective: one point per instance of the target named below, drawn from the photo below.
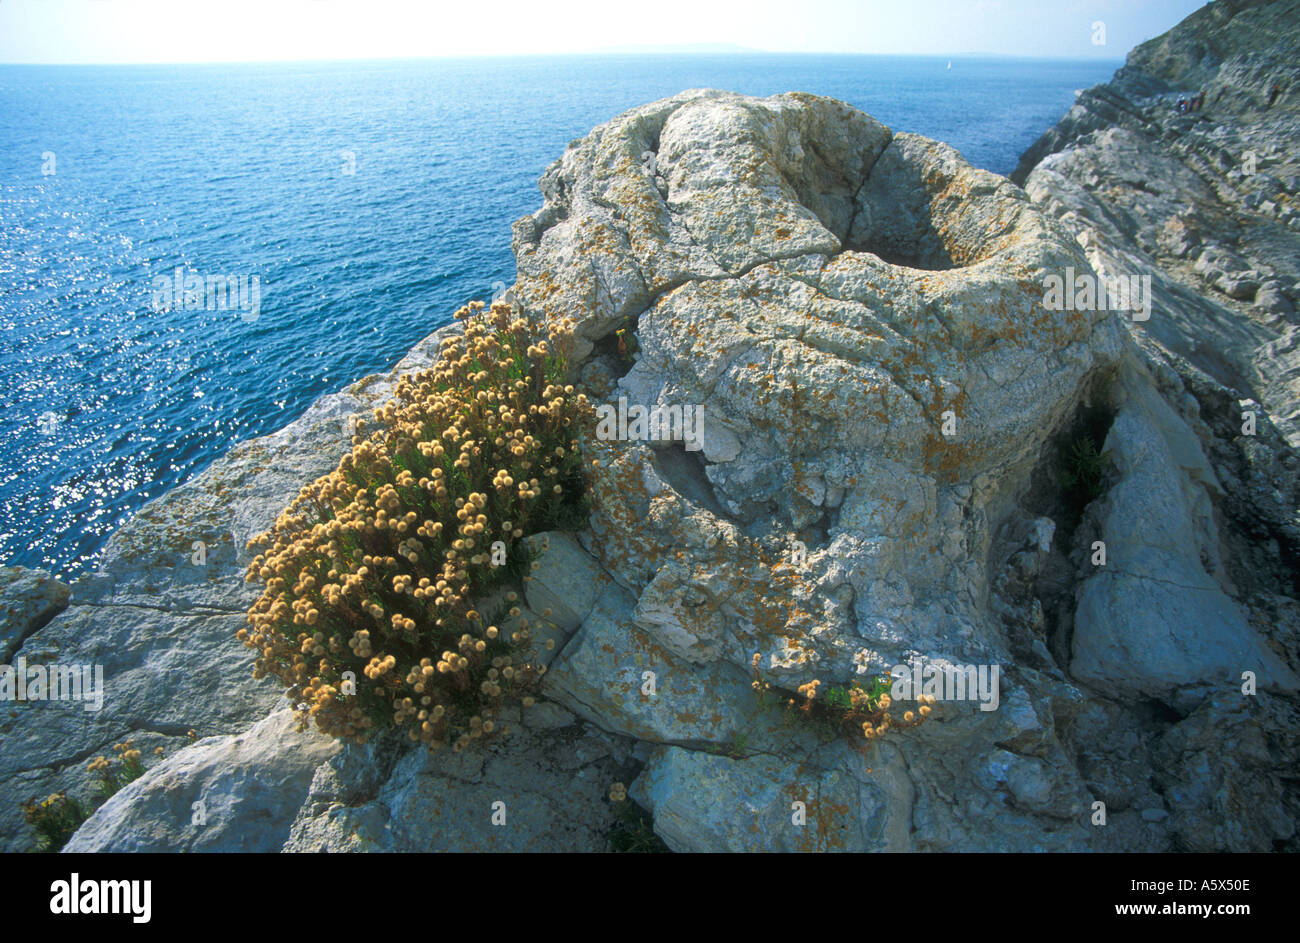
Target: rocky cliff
(889, 471)
(1202, 199)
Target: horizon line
(599, 53)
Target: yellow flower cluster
(884, 720)
(852, 707)
(809, 691)
(370, 576)
(127, 756)
(127, 751)
(54, 819)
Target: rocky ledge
(877, 479)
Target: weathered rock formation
(886, 400)
(1203, 201)
(29, 599)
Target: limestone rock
(1153, 618)
(566, 583)
(707, 803)
(1201, 515)
(614, 674)
(234, 793)
(29, 599)
(532, 790)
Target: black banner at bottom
(341, 894)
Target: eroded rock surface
(1201, 521)
(29, 598)
(831, 294)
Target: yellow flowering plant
(56, 817)
(860, 708)
(384, 580)
(124, 767)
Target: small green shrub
(1083, 471)
(1082, 467)
(860, 708)
(373, 611)
(57, 817)
(737, 748)
(633, 831)
(627, 345)
(112, 774)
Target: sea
(350, 207)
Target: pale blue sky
(95, 31)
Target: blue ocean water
(369, 199)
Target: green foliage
(626, 344)
(857, 695)
(55, 820)
(858, 708)
(1083, 471)
(1082, 467)
(633, 831)
(737, 749)
(112, 774)
(57, 817)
